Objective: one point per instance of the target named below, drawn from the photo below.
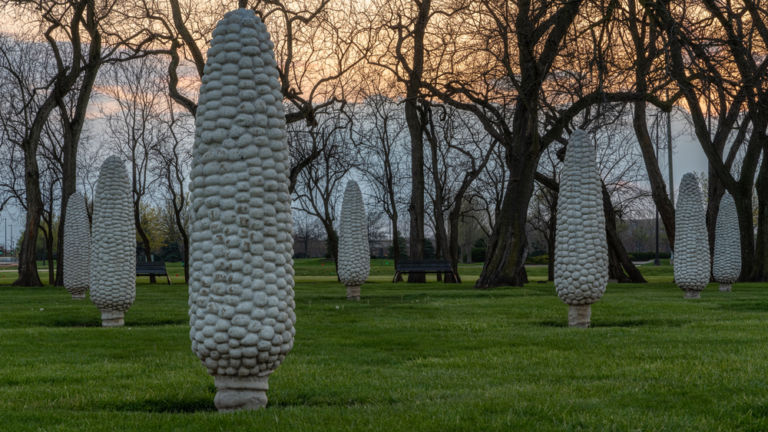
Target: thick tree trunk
(28, 275)
(416, 206)
(508, 245)
(396, 252)
(746, 232)
(416, 131)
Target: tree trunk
(143, 237)
(453, 240)
(416, 206)
(508, 245)
(441, 235)
(396, 245)
(416, 130)
(185, 243)
(49, 256)
(619, 261)
(746, 232)
(71, 137)
(28, 275)
(658, 187)
(332, 243)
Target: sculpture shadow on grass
(622, 323)
(163, 405)
(96, 322)
(333, 400)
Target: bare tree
(401, 26)
(75, 33)
(459, 152)
(172, 162)
(318, 187)
(645, 44)
(379, 133)
(508, 66)
(136, 128)
(315, 46)
(710, 58)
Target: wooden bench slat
(422, 267)
(154, 268)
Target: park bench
(156, 268)
(429, 266)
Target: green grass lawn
(429, 357)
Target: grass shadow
(75, 322)
(621, 323)
(96, 322)
(163, 405)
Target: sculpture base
(353, 292)
(579, 315)
(112, 318)
(78, 296)
(725, 287)
(234, 393)
(692, 294)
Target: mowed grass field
(428, 357)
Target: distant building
(380, 248)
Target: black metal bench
(154, 268)
(429, 266)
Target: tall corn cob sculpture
(726, 265)
(581, 252)
(77, 247)
(241, 280)
(691, 266)
(113, 246)
(354, 252)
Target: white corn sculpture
(241, 279)
(581, 251)
(354, 252)
(77, 247)
(691, 266)
(726, 265)
(113, 246)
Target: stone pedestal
(692, 294)
(353, 292)
(725, 287)
(579, 315)
(234, 393)
(112, 318)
